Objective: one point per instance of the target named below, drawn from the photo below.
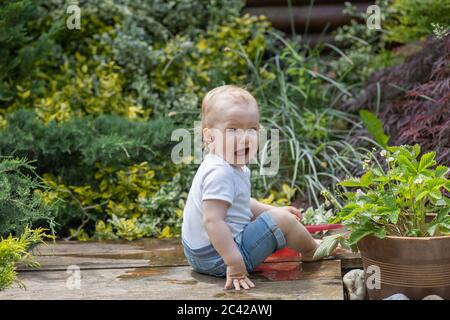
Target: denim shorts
(259, 239)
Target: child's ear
(207, 135)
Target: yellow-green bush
(15, 250)
(411, 20)
(217, 56)
(114, 193)
(280, 198)
(128, 203)
(80, 86)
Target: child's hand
(237, 276)
(296, 212)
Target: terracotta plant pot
(416, 267)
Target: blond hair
(236, 94)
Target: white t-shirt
(216, 179)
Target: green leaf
(393, 216)
(447, 186)
(443, 214)
(422, 195)
(411, 168)
(365, 229)
(351, 183)
(436, 194)
(441, 171)
(427, 161)
(348, 211)
(375, 127)
(416, 150)
(378, 172)
(366, 179)
(328, 245)
(358, 234)
(440, 225)
(389, 201)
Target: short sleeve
(218, 184)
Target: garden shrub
(187, 69)
(362, 50)
(413, 104)
(15, 250)
(93, 160)
(20, 205)
(80, 87)
(116, 194)
(105, 66)
(412, 20)
(20, 48)
(127, 204)
(72, 148)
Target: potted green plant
(397, 215)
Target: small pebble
(397, 296)
(432, 297)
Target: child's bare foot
(309, 256)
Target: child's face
(234, 132)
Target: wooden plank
(350, 260)
(259, 3)
(317, 17)
(61, 263)
(319, 281)
(116, 247)
(98, 255)
(136, 254)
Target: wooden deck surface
(157, 269)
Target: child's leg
(297, 237)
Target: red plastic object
(322, 227)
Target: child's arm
(214, 213)
(257, 207)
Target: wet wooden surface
(157, 269)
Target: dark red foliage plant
(413, 99)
